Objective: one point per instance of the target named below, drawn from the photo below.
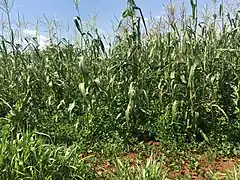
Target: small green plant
(151, 169)
(27, 156)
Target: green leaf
(71, 106)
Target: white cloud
(30, 32)
(146, 19)
(158, 17)
(42, 40)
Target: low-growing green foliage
(152, 169)
(27, 156)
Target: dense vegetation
(177, 85)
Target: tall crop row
(181, 84)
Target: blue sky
(64, 11)
(104, 9)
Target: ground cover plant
(149, 106)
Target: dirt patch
(130, 156)
(153, 143)
(205, 167)
(222, 165)
(196, 166)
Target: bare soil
(201, 171)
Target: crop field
(161, 100)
